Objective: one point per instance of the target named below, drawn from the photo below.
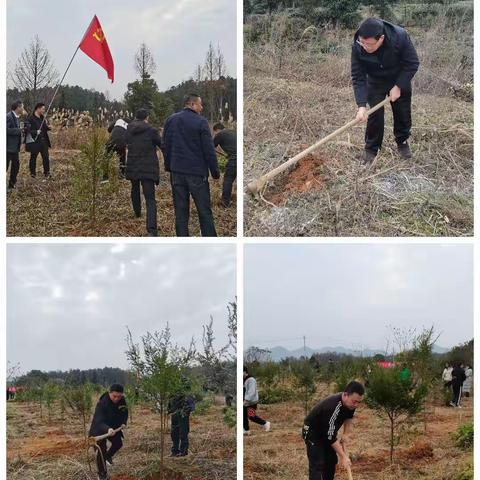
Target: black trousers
(148, 187)
(250, 414)
(228, 178)
(13, 162)
(179, 433)
(321, 462)
(116, 443)
(457, 394)
(402, 116)
(45, 159)
(198, 187)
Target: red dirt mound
(53, 443)
(305, 177)
(418, 451)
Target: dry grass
(39, 208)
(298, 91)
(280, 454)
(38, 450)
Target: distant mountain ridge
(279, 353)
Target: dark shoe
(175, 454)
(184, 454)
(152, 234)
(404, 150)
(367, 157)
(224, 204)
(137, 214)
(33, 175)
(109, 462)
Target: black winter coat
(108, 415)
(142, 159)
(32, 126)
(395, 62)
(458, 376)
(188, 145)
(14, 133)
(118, 137)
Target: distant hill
(279, 353)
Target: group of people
(111, 417)
(189, 152)
(33, 132)
(458, 379)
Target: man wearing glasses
(384, 62)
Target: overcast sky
(69, 305)
(177, 32)
(348, 295)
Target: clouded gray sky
(177, 32)
(347, 295)
(69, 305)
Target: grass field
(427, 455)
(41, 450)
(298, 90)
(39, 208)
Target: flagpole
(56, 91)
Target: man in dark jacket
(189, 155)
(384, 62)
(110, 414)
(143, 166)
(458, 377)
(14, 142)
(180, 407)
(38, 128)
(321, 427)
(226, 139)
(118, 142)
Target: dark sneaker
(404, 150)
(33, 175)
(109, 462)
(367, 157)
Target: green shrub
(466, 473)
(464, 436)
(276, 394)
(230, 416)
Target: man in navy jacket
(384, 62)
(190, 156)
(14, 141)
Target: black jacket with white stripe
(325, 420)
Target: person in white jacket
(468, 383)
(447, 376)
(250, 401)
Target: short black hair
(16, 104)
(355, 387)
(189, 98)
(141, 114)
(38, 105)
(116, 387)
(245, 369)
(219, 126)
(371, 28)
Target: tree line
(34, 78)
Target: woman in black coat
(38, 128)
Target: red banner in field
(94, 44)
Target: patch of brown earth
(306, 176)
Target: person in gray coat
(14, 142)
(250, 403)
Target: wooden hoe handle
(256, 186)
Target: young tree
(304, 378)
(34, 71)
(79, 400)
(94, 164)
(50, 394)
(394, 397)
(160, 367)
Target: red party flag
(94, 44)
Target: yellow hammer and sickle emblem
(99, 35)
